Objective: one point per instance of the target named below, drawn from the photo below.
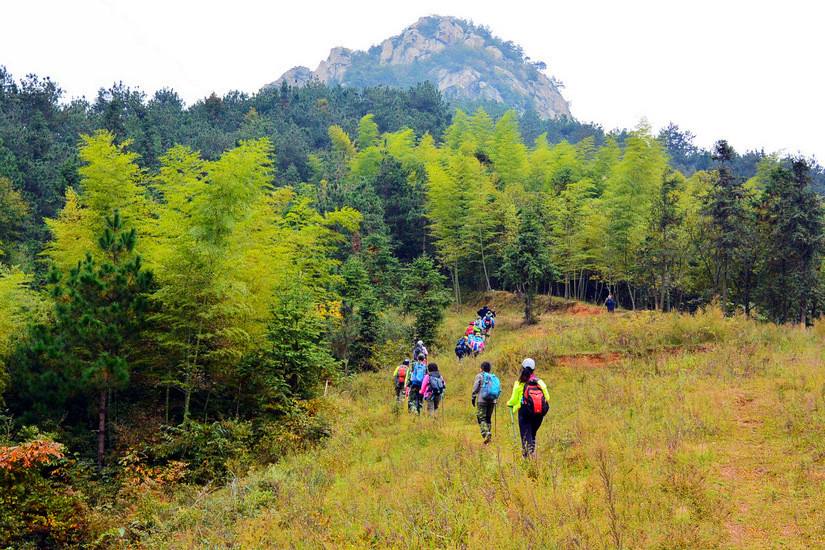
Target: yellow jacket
(518, 393)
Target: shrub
(38, 506)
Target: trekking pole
(513, 425)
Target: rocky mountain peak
(466, 62)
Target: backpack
(402, 375)
(490, 387)
(436, 383)
(533, 400)
(418, 372)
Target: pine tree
(793, 215)
(100, 312)
(724, 205)
(525, 261)
(425, 297)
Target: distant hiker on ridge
(530, 401)
(486, 391)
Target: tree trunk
(484, 265)
(101, 426)
(187, 399)
(166, 406)
(631, 293)
(455, 284)
(528, 307)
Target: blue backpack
(491, 387)
(417, 375)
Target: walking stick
(513, 425)
(495, 418)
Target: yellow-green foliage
(110, 180)
(693, 447)
(19, 306)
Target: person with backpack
(420, 349)
(462, 348)
(432, 389)
(399, 378)
(486, 391)
(530, 400)
(415, 379)
(610, 303)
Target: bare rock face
(335, 66)
(296, 76)
(466, 62)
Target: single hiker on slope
(610, 303)
(399, 378)
(420, 349)
(432, 389)
(462, 348)
(530, 402)
(415, 379)
(486, 391)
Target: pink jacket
(425, 386)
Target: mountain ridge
(465, 62)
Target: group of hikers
(420, 382)
(476, 334)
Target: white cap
(528, 364)
(420, 343)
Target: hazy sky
(749, 71)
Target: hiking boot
(488, 439)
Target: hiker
(530, 400)
(610, 303)
(476, 341)
(415, 379)
(399, 378)
(432, 389)
(483, 311)
(486, 325)
(470, 328)
(486, 391)
(420, 349)
(462, 348)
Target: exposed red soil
(597, 360)
(580, 310)
(588, 360)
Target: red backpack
(533, 400)
(402, 374)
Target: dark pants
(415, 399)
(399, 391)
(528, 425)
(484, 415)
(433, 403)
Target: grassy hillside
(664, 431)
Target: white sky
(748, 71)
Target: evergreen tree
(295, 355)
(724, 205)
(525, 260)
(100, 312)
(793, 215)
(425, 297)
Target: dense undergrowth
(699, 432)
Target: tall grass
(716, 443)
